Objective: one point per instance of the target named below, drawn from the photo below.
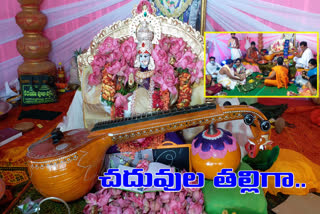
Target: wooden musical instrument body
(67, 168)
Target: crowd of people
(236, 70)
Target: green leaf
(109, 103)
(25, 206)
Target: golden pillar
(33, 46)
(260, 41)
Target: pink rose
(150, 195)
(195, 208)
(123, 203)
(175, 205)
(99, 60)
(160, 56)
(136, 199)
(196, 195)
(146, 205)
(109, 44)
(155, 205)
(94, 79)
(166, 196)
(121, 101)
(116, 193)
(182, 196)
(165, 44)
(129, 210)
(129, 49)
(163, 211)
(125, 71)
(177, 48)
(113, 56)
(103, 199)
(111, 209)
(167, 80)
(143, 164)
(187, 61)
(91, 198)
(96, 69)
(114, 69)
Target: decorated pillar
(33, 46)
(260, 42)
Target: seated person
(240, 69)
(211, 87)
(305, 75)
(213, 68)
(312, 71)
(309, 89)
(227, 76)
(252, 54)
(251, 58)
(303, 58)
(312, 85)
(278, 76)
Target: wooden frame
(203, 16)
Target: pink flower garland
(187, 201)
(120, 57)
(167, 48)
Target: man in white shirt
(303, 58)
(213, 68)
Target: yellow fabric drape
(304, 170)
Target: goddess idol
(142, 64)
(142, 96)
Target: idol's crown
(144, 33)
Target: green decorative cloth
(264, 159)
(217, 200)
(249, 86)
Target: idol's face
(144, 60)
(238, 63)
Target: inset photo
(261, 64)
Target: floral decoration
(187, 201)
(116, 58)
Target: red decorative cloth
(16, 150)
(214, 89)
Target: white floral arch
(92, 108)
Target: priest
(302, 59)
